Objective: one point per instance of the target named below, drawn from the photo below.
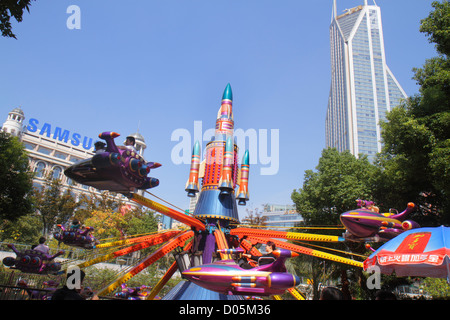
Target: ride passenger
(99, 147)
(267, 258)
(75, 225)
(128, 144)
(79, 228)
(42, 247)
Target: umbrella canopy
(421, 252)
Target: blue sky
(159, 66)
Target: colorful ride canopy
(117, 169)
(420, 252)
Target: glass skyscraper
(363, 88)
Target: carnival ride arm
(155, 256)
(285, 235)
(144, 242)
(179, 216)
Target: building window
(45, 150)
(60, 155)
(29, 146)
(40, 169)
(56, 173)
(69, 181)
(74, 159)
(37, 186)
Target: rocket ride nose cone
(229, 145)
(246, 157)
(196, 149)
(227, 93)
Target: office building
(363, 87)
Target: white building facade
(362, 88)
(281, 217)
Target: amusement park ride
(366, 224)
(208, 254)
(115, 169)
(33, 261)
(76, 237)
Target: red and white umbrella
(420, 252)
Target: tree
(107, 224)
(317, 271)
(415, 160)
(437, 288)
(16, 179)
(436, 26)
(110, 224)
(254, 218)
(339, 181)
(26, 229)
(12, 8)
(106, 201)
(142, 222)
(54, 203)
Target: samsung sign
(57, 133)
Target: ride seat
(266, 260)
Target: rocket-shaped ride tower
(221, 177)
(215, 180)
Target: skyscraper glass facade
(363, 88)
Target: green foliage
(436, 26)
(113, 224)
(15, 179)
(316, 271)
(415, 162)
(106, 201)
(404, 163)
(26, 229)
(143, 223)
(10, 9)
(97, 278)
(437, 288)
(54, 203)
(339, 180)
